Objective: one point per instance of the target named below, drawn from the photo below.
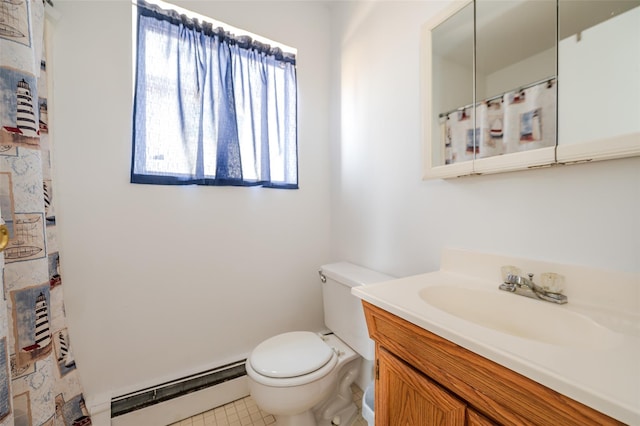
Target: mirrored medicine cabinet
(530, 83)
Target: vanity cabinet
(423, 379)
(415, 400)
(411, 398)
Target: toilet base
(340, 409)
(302, 419)
(344, 416)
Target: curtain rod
(493, 98)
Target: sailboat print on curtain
(15, 23)
(28, 240)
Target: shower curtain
(39, 383)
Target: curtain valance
(207, 28)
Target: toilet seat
(290, 355)
(291, 359)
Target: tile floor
(245, 412)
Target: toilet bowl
(304, 378)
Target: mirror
(530, 83)
(599, 94)
(504, 102)
(516, 71)
(452, 88)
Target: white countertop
(606, 379)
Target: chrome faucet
(526, 287)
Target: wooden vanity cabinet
(411, 398)
(423, 379)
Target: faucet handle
(552, 282)
(508, 270)
(510, 279)
(530, 275)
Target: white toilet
(304, 378)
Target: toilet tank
(343, 313)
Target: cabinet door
(405, 397)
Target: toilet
(304, 378)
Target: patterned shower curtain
(39, 383)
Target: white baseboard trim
(182, 407)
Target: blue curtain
(211, 108)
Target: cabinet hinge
(377, 369)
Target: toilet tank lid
(352, 275)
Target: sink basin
(520, 316)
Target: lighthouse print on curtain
(39, 382)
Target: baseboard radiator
(163, 392)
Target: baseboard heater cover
(163, 392)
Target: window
(210, 107)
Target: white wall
(385, 217)
(162, 281)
